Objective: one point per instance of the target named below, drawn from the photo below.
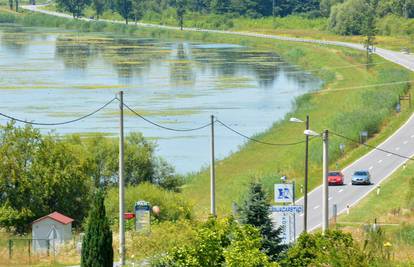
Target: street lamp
(305, 194)
(325, 194)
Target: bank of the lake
(350, 102)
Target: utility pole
(305, 196)
(325, 204)
(121, 181)
(212, 173)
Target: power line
(165, 127)
(373, 147)
(256, 140)
(58, 123)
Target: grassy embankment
(394, 33)
(347, 111)
(393, 206)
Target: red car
(335, 178)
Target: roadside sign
(287, 209)
(284, 193)
(286, 222)
(142, 216)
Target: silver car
(361, 177)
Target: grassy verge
(347, 110)
(391, 207)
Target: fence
(25, 251)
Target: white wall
(43, 230)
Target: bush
(220, 242)
(172, 205)
(335, 248)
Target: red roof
(57, 217)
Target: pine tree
(255, 211)
(97, 248)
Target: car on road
(335, 178)
(361, 177)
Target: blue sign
(287, 209)
(284, 193)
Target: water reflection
(175, 83)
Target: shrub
(335, 248)
(172, 205)
(218, 242)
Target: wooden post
(10, 248)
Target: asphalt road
(380, 164)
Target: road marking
(389, 155)
(412, 136)
(405, 142)
(370, 168)
(316, 207)
(397, 148)
(301, 215)
(330, 198)
(340, 191)
(379, 161)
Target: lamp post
(325, 189)
(305, 194)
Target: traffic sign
(287, 209)
(285, 222)
(284, 193)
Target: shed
(51, 231)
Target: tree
(11, 4)
(180, 5)
(124, 7)
(75, 7)
(99, 6)
(17, 5)
(255, 211)
(39, 175)
(369, 28)
(137, 10)
(97, 248)
(349, 17)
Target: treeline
(40, 174)
(346, 17)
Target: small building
(51, 231)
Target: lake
(50, 75)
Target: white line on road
(316, 207)
(370, 168)
(379, 161)
(412, 136)
(340, 191)
(301, 215)
(330, 198)
(397, 148)
(405, 142)
(389, 155)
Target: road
(380, 164)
